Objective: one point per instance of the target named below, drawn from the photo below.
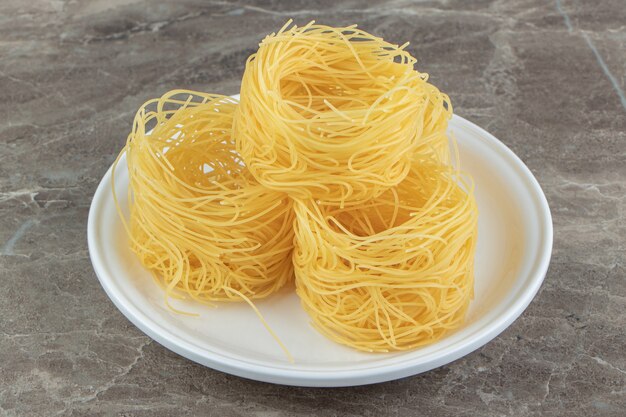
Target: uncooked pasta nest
(336, 114)
(198, 220)
(393, 273)
(336, 165)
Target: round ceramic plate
(514, 246)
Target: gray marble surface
(546, 77)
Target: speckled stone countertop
(546, 77)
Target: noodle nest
(336, 114)
(198, 220)
(394, 273)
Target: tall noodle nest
(396, 272)
(336, 114)
(199, 221)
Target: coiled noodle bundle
(394, 273)
(336, 114)
(198, 220)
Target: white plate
(513, 253)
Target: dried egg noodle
(198, 220)
(393, 273)
(335, 166)
(336, 114)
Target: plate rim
(342, 377)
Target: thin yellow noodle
(208, 234)
(336, 114)
(335, 167)
(395, 272)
